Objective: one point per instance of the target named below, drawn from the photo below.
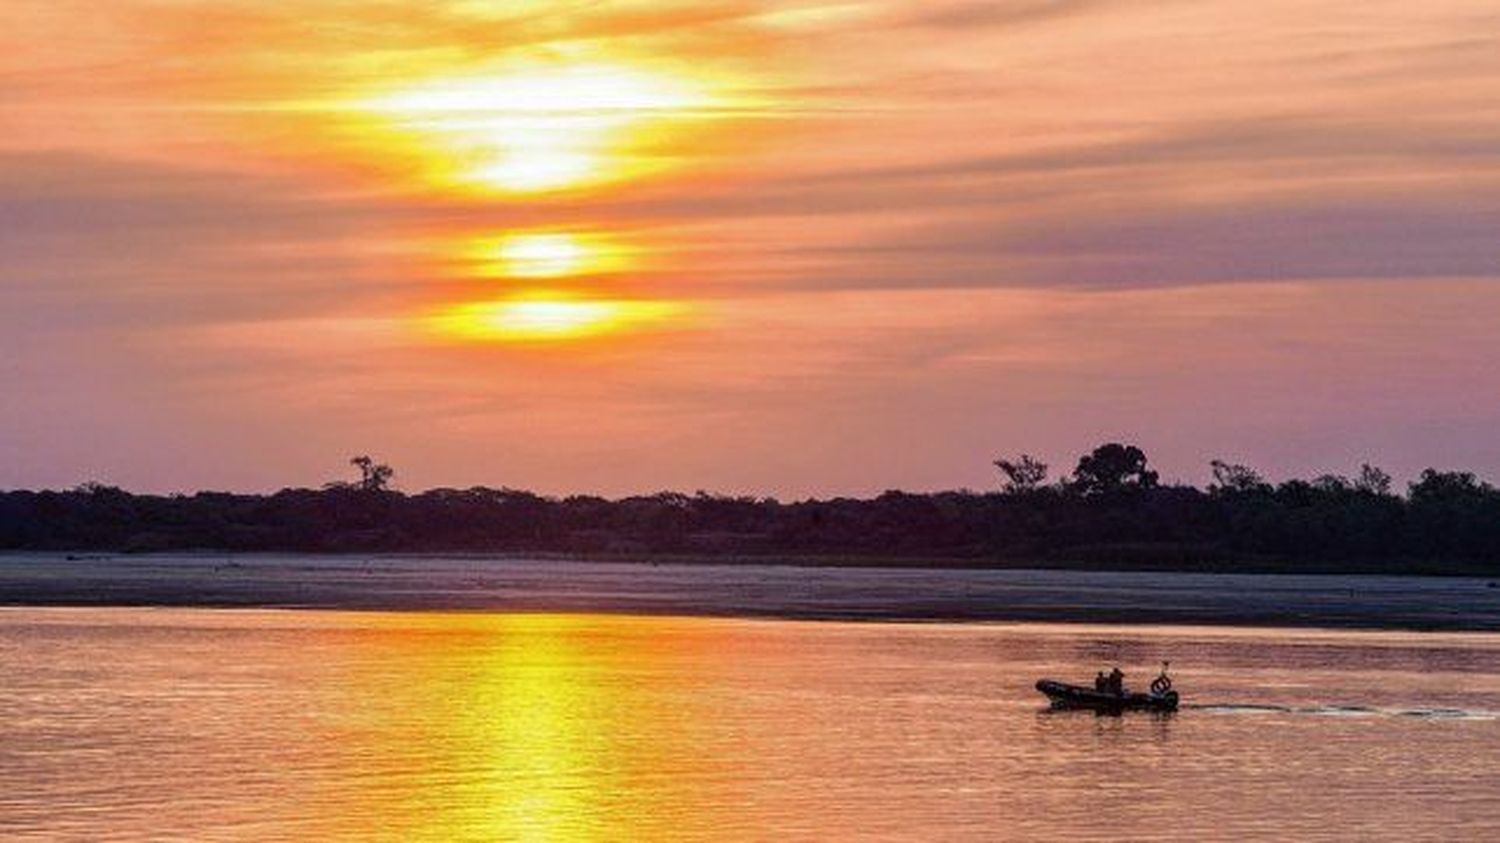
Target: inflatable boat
(1064, 695)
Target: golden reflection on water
(529, 721)
(550, 742)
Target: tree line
(1111, 511)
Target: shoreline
(1268, 566)
(1093, 619)
(752, 590)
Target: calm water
(202, 724)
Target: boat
(1161, 697)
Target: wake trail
(1343, 711)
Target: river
(137, 723)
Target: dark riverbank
(471, 583)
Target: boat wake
(1344, 711)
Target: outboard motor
(1161, 686)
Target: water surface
(213, 724)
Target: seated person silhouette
(1115, 683)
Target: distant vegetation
(1111, 512)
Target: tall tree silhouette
(1113, 468)
(374, 476)
(1236, 479)
(1025, 474)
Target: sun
(542, 127)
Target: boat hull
(1065, 696)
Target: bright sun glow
(542, 318)
(545, 128)
(542, 255)
(552, 254)
(534, 126)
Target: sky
(763, 248)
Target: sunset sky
(749, 247)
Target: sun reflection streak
(542, 255)
(526, 727)
(549, 254)
(545, 317)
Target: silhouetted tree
(1332, 484)
(1113, 468)
(1447, 486)
(1024, 474)
(1233, 478)
(1450, 523)
(1372, 481)
(374, 476)
(1454, 515)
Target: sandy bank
(431, 583)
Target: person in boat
(1100, 682)
(1115, 682)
